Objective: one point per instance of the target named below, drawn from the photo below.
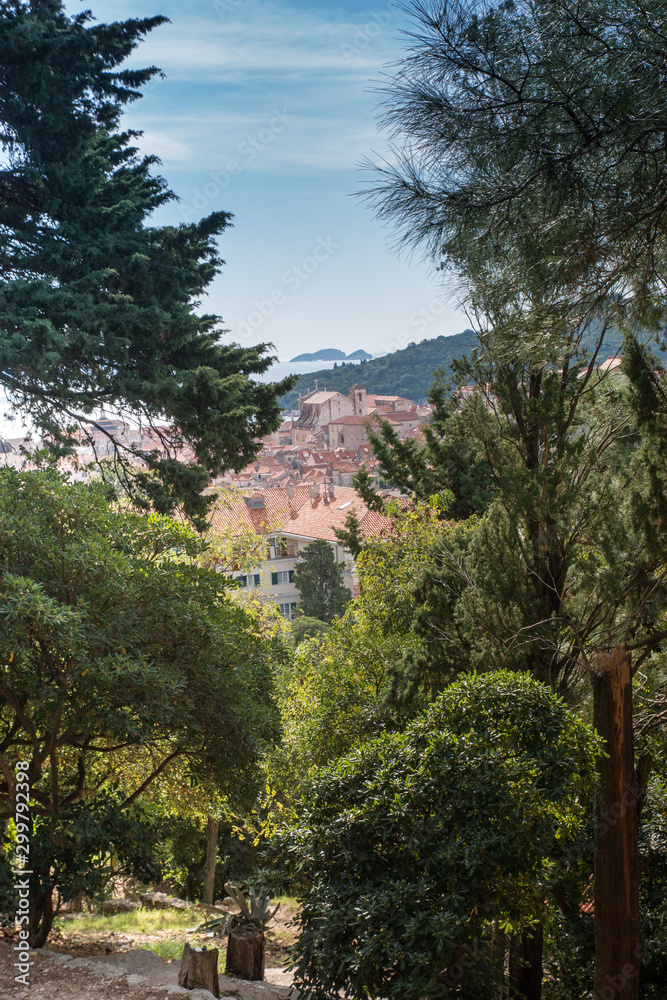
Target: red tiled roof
(299, 514)
(401, 415)
(357, 420)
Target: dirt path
(122, 976)
(55, 979)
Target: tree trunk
(76, 905)
(41, 918)
(245, 952)
(617, 936)
(199, 970)
(525, 963)
(211, 851)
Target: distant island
(332, 354)
(409, 372)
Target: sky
(266, 111)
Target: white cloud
(266, 37)
(165, 146)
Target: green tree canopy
(117, 661)
(413, 844)
(528, 148)
(319, 578)
(98, 307)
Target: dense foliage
(529, 151)
(319, 580)
(98, 307)
(414, 845)
(119, 663)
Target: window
(281, 548)
(254, 580)
(287, 610)
(282, 576)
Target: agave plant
(255, 909)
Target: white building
(291, 518)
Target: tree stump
(245, 952)
(199, 970)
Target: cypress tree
(98, 306)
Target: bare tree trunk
(211, 851)
(199, 970)
(42, 915)
(526, 964)
(617, 935)
(76, 905)
(246, 947)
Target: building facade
(291, 518)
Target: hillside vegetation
(408, 372)
(404, 373)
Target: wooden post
(199, 970)
(617, 934)
(246, 947)
(211, 852)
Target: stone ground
(130, 975)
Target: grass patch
(142, 921)
(163, 932)
(168, 949)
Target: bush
(414, 844)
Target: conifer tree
(99, 307)
(319, 578)
(530, 161)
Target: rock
(201, 995)
(245, 990)
(278, 977)
(161, 901)
(55, 956)
(111, 906)
(135, 980)
(138, 962)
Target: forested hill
(410, 372)
(406, 373)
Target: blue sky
(266, 112)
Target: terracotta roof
(402, 416)
(357, 420)
(298, 514)
(320, 397)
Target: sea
(281, 369)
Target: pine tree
(531, 163)
(98, 307)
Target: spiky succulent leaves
(237, 894)
(98, 307)
(254, 909)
